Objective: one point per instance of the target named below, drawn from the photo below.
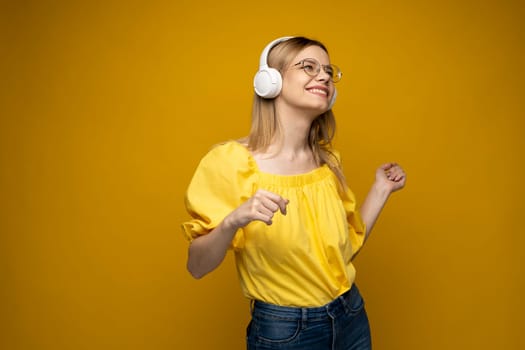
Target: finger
(259, 216)
(392, 171)
(262, 210)
(258, 211)
(398, 172)
(277, 202)
(269, 204)
(387, 171)
(268, 199)
(398, 177)
(385, 166)
(267, 219)
(282, 205)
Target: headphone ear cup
(332, 100)
(267, 82)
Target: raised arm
(389, 178)
(207, 252)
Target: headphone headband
(263, 61)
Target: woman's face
(304, 91)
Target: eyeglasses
(312, 67)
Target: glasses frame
(335, 77)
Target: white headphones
(268, 82)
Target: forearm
(207, 252)
(373, 205)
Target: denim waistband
(340, 304)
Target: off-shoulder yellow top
(304, 258)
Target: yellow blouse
(304, 258)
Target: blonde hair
(265, 124)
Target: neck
(295, 128)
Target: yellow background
(106, 108)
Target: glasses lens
(311, 67)
(334, 72)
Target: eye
(309, 67)
(329, 70)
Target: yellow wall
(106, 108)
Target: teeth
(319, 91)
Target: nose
(323, 76)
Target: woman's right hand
(261, 206)
(208, 251)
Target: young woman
(279, 200)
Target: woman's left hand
(392, 176)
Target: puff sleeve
(223, 180)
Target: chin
(321, 107)
(317, 106)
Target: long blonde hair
(265, 124)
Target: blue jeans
(339, 325)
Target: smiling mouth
(316, 91)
